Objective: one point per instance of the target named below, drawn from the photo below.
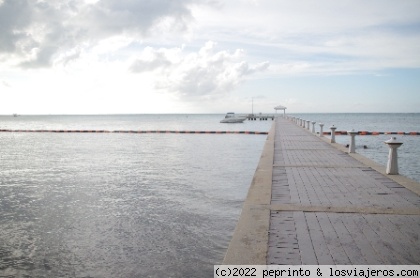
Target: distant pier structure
(260, 116)
(264, 117)
(280, 107)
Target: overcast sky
(209, 56)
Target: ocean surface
(142, 205)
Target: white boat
(231, 118)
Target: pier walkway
(311, 202)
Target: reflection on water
(120, 205)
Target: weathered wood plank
(322, 252)
(373, 235)
(355, 228)
(399, 249)
(282, 244)
(306, 248)
(408, 226)
(349, 245)
(337, 252)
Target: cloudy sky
(208, 56)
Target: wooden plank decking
(326, 207)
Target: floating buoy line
(133, 131)
(374, 133)
(197, 131)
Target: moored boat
(232, 118)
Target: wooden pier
(311, 203)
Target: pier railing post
(308, 124)
(321, 132)
(392, 166)
(352, 146)
(333, 128)
(313, 127)
(303, 123)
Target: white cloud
(143, 49)
(34, 32)
(4, 83)
(328, 36)
(152, 59)
(203, 74)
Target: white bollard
(313, 127)
(352, 146)
(321, 132)
(303, 123)
(333, 128)
(392, 166)
(308, 124)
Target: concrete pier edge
(249, 243)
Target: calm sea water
(121, 205)
(140, 205)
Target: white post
(392, 166)
(333, 128)
(321, 132)
(313, 127)
(352, 146)
(308, 124)
(303, 123)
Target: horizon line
(212, 113)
